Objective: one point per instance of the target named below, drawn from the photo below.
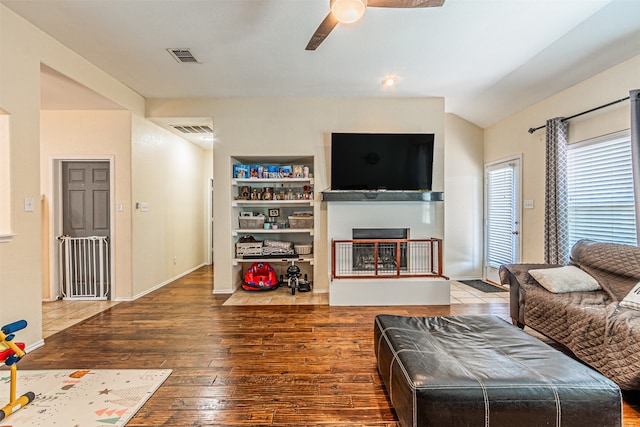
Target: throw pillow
(632, 300)
(565, 279)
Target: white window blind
(600, 185)
(500, 216)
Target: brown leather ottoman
(479, 370)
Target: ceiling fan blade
(328, 24)
(405, 3)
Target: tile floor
(59, 315)
(463, 294)
(460, 294)
(280, 296)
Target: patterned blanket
(592, 325)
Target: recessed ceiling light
(389, 81)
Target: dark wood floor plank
(246, 366)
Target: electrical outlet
(175, 260)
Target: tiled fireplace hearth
(348, 220)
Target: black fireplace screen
(383, 255)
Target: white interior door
(502, 216)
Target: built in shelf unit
(283, 189)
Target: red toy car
(260, 277)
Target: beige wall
(23, 48)
(20, 273)
(169, 175)
(463, 202)
(292, 127)
(76, 135)
(510, 137)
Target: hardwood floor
(245, 365)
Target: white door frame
(210, 220)
(491, 273)
(55, 217)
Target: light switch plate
(528, 204)
(28, 204)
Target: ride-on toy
(10, 355)
(260, 277)
(294, 281)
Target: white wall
(509, 137)
(295, 127)
(463, 199)
(168, 174)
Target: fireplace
(418, 225)
(365, 253)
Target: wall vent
(192, 129)
(183, 56)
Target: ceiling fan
(348, 11)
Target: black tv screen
(381, 161)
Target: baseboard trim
(160, 285)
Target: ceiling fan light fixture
(348, 11)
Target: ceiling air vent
(192, 129)
(183, 56)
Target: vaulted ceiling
(487, 58)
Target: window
(600, 186)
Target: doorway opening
(82, 252)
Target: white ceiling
(487, 58)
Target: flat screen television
(381, 161)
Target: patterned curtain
(634, 97)
(556, 226)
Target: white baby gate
(84, 267)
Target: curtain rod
(532, 130)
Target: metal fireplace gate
(386, 258)
(84, 267)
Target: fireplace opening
(364, 254)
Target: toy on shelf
(10, 354)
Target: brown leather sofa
(593, 324)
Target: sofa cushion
(632, 300)
(565, 279)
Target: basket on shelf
(300, 221)
(251, 222)
(249, 248)
(303, 249)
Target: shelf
(269, 231)
(237, 181)
(302, 258)
(281, 186)
(303, 202)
